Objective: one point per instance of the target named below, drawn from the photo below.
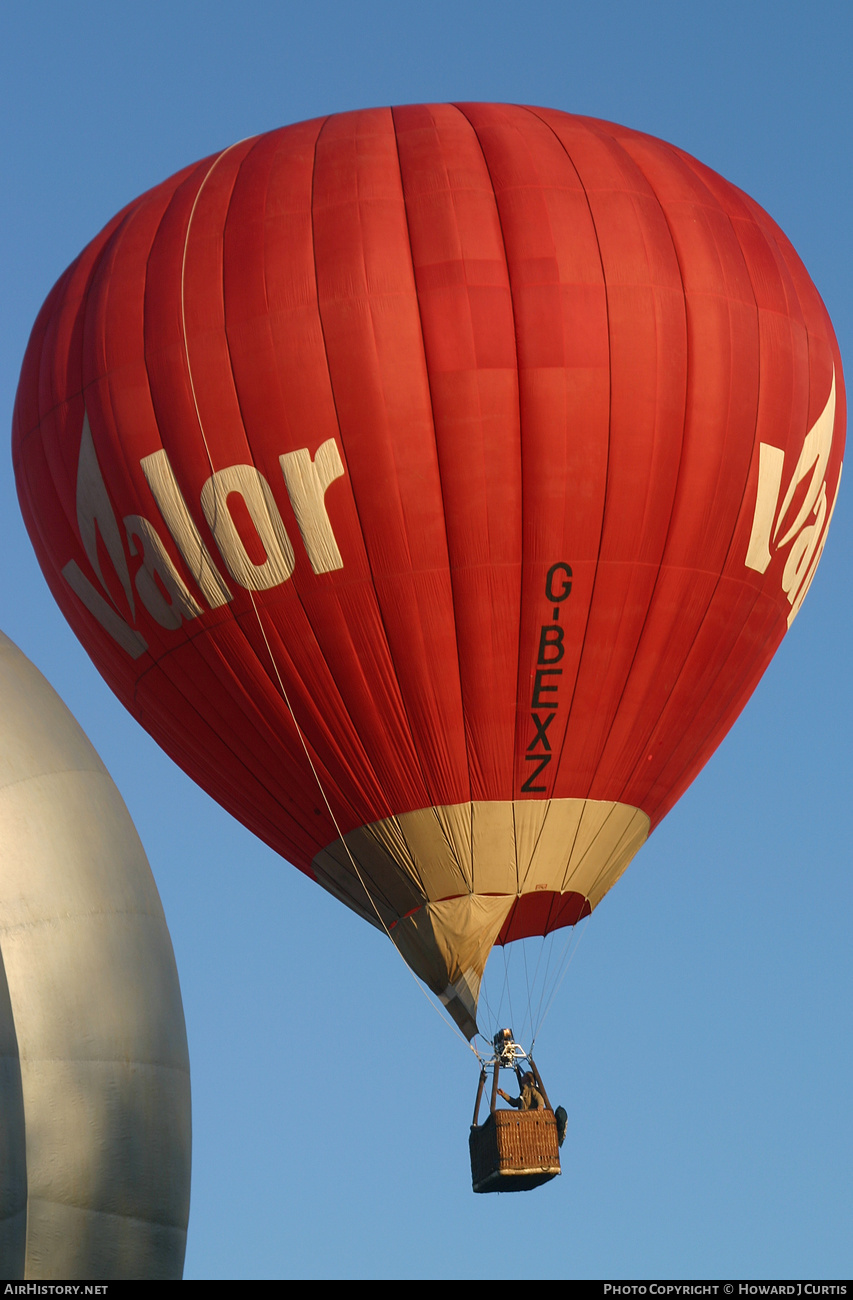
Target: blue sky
(701, 1040)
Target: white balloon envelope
(95, 1128)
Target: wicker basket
(514, 1151)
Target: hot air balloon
(94, 1069)
(435, 484)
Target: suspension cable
(280, 683)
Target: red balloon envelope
(435, 484)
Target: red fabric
(542, 912)
(537, 341)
